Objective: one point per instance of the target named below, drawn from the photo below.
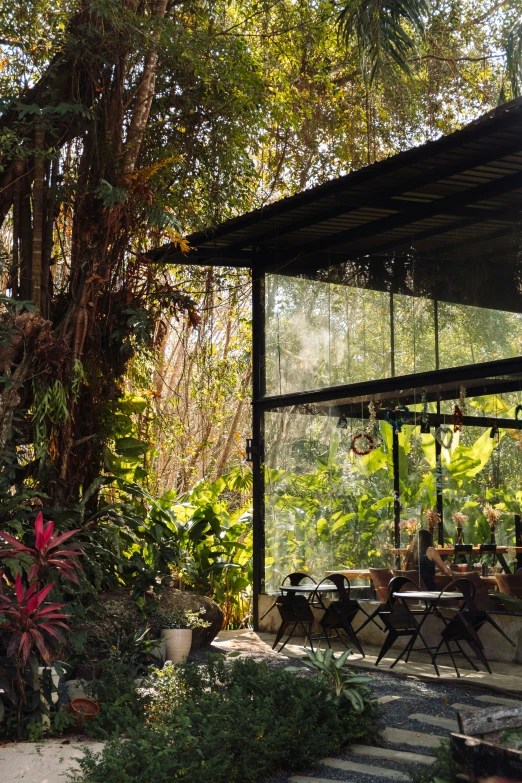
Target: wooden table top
(351, 573)
(449, 550)
(428, 595)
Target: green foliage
(228, 723)
(178, 618)
(383, 31)
(344, 683)
(116, 692)
(444, 770)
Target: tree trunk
(38, 216)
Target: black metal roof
(462, 192)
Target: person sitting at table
(423, 557)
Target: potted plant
(176, 631)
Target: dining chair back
(464, 626)
(340, 612)
(296, 614)
(398, 619)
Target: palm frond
(514, 59)
(383, 31)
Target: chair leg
(392, 636)
(467, 657)
(352, 636)
(480, 655)
(288, 637)
(452, 658)
(307, 634)
(494, 624)
(282, 628)
(370, 618)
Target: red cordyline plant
(46, 553)
(25, 620)
(28, 623)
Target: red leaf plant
(46, 553)
(29, 623)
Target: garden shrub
(228, 723)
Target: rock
(185, 600)
(76, 689)
(118, 612)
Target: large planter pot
(177, 642)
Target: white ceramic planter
(177, 642)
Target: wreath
(444, 436)
(370, 444)
(457, 419)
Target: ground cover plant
(228, 722)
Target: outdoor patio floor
(506, 677)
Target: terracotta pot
(178, 642)
(84, 709)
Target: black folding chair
(295, 612)
(401, 620)
(338, 614)
(463, 627)
(294, 579)
(462, 553)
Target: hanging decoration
(397, 416)
(342, 423)
(373, 417)
(425, 419)
(433, 519)
(462, 399)
(444, 435)
(362, 444)
(518, 410)
(457, 419)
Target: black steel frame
(488, 377)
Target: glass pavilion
(387, 352)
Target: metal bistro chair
(400, 620)
(295, 578)
(462, 553)
(340, 613)
(463, 627)
(295, 611)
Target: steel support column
(258, 390)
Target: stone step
(365, 769)
(466, 707)
(416, 739)
(499, 700)
(387, 699)
(310, 779)
(431, 720)
(403, 756)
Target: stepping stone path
(409, 737)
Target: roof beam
(440, 206)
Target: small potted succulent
(176, 631)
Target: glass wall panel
(328, 508)
(334, 331)
(325, 508)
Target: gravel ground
(416, 696)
